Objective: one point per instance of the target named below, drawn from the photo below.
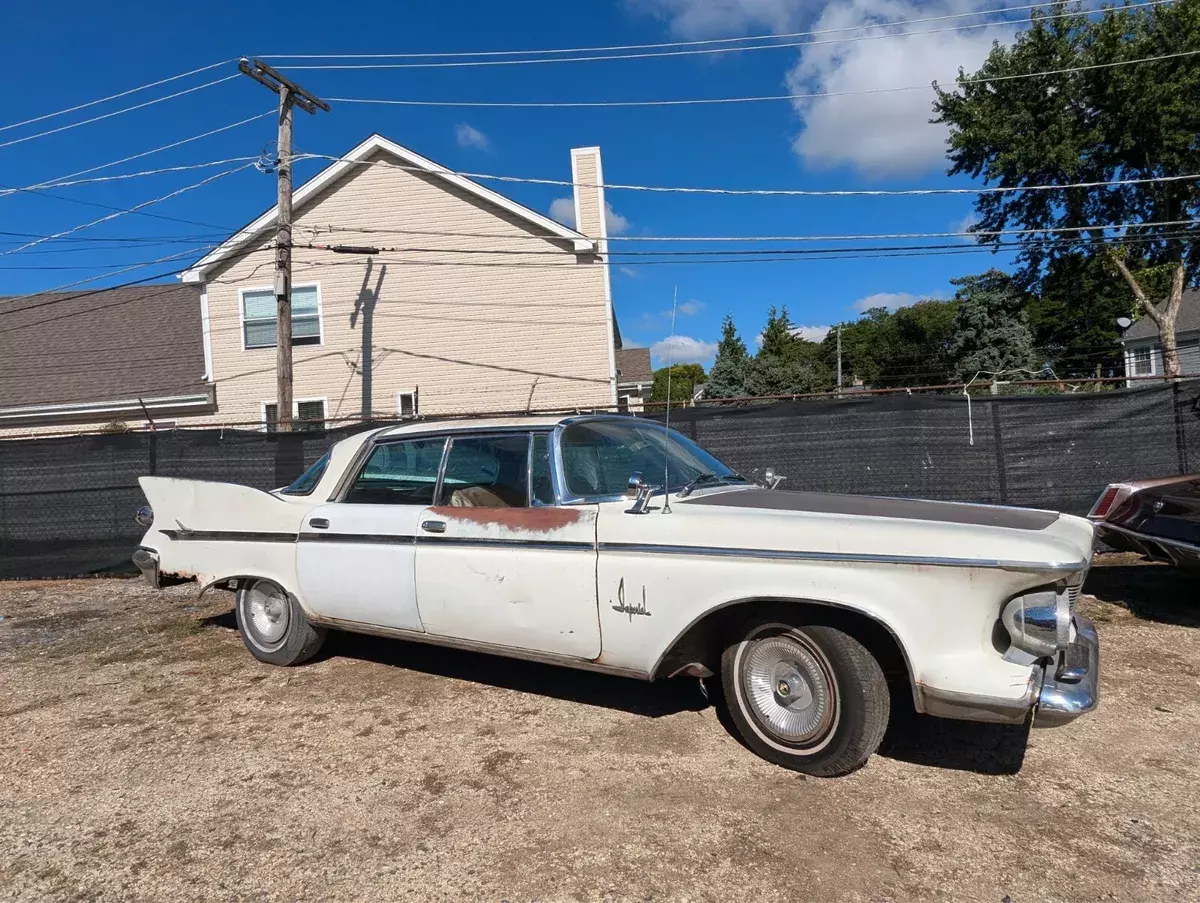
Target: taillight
(1104, 503)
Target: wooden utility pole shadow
(364, 306)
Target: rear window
(307, 481)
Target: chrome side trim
(531, 655)
(226, 536)
(358, 538)
(969, 707)
(1101, 526)
(861, 557)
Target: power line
(121, 177)
(768, 192)
(61, 180)
(92, 103)
(708, 101)
(134, 209)
(669, 44)
(75, 125)
(688, 52)
(170, 219)
(878, 236)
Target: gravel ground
(145, 755)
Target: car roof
(471, 424)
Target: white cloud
(963, 225)
(682, 349)
(811, 333)
(563, 210)
(469, 136)
(691, 308)
(719, 18)
(628, 271)
(890, 300)
(885, 134)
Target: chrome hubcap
(268, 612)
(790, 689)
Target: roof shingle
(114, 344)
(1189, 319)
(633, 366)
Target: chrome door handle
(319, 523)
(433, 526)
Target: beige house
(470, 302)
(466, 302)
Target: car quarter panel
(212, 531)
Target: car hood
(876, 506)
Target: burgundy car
(1158, 518)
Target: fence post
(998, 435)
(1181, 455)
(153, 451)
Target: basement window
(306, 415)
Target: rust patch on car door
(525, 520)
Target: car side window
(399, 473)
(541, 486)
(487, 472)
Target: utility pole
(290, 95)
(839, 344)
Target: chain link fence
(67, 504)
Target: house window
(1143, 364)
(259, 312)
(406, 404)
(306, 415)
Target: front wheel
(273, 625)
(808, 697)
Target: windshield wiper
(708, 477)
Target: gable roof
(119, 344)
(1188, 320)
(633, 366)
(350, 163)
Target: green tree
(908, 347)
(991, 331)
(1095, 121)
(786, 364)
(727, 378)
(684, 379)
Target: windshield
(307, 481)
(599, 456)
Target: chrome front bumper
(1059, 692)
(1070, 687)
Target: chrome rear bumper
(1071, 686)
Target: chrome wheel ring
(789, 689)
(267, 613)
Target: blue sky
(57, 55)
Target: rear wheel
(273, 625)
(808, 697)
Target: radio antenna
(667, 429)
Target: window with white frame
(259, 313)
(1141, 361)
(306, 415)
(406, 404)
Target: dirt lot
(145, 755)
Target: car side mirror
(772, 478)
(641, 491)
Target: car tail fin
(1107, 501)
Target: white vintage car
(548, 539)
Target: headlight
(1039, 622)
(144, 516)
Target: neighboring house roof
(633, 366)
(352, 161)
(1188, 320)
(68, 351)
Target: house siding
(1189, 354)
(527, 326)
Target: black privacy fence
(67, 504)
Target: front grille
(1073, 597)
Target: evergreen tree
(727, 378)
(786, 364)
(991, 330)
